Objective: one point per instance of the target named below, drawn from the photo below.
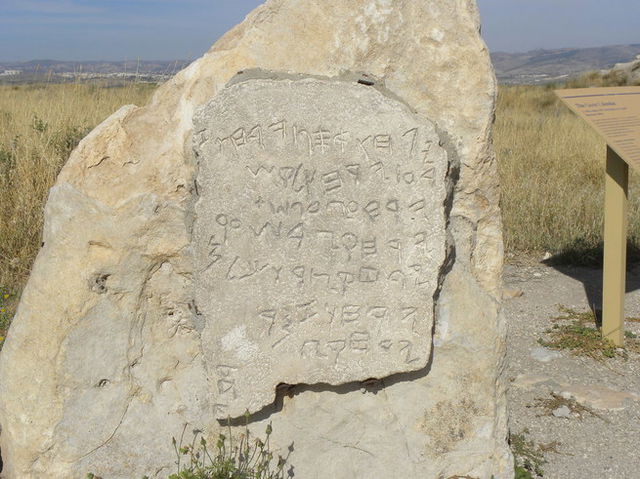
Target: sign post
(615, 247)
(615, 114)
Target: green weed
(528, 456)
(579, 333)
(243, 458)
(232, 458)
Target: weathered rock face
(123, 326)
(319, 237)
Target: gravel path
(589, 408)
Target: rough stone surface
(597, 397)
(630, 69)
(104, 360)
(320, 237)
(545, 355)
(562, 411)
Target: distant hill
(64, 71)
(539, 66)
(132, 66)
(536, 66)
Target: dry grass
(597, 79)
(39, 126)
(555, 401)
(552, 173)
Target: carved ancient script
(319, 236)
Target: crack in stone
(106, 441)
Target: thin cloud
(132, 3)
(57, 7)
(114, 23)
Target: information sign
(615, 114)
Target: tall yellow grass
(551, 168)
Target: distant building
(8, 73)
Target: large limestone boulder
(124, 331)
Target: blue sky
(184, 29)
(522, 25)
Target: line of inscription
(345, 208)
(282, 322)
(358, 342)
(296, 231)
(320, 140)
(336, 314)
(299, 178)
(334, 281)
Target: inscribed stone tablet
(319, 236)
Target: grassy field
(551, 169)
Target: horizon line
(138, 59)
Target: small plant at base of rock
(527, 456)
(246, 459)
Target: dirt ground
(581, 413)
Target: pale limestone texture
(103, 363)
(630, 69)
(319, 237)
